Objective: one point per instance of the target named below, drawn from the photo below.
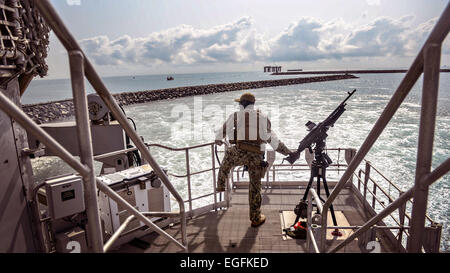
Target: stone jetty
(50, 111)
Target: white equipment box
(65, 196)
(141, 188)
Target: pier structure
(361, 71)
(275, 69)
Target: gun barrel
(349, 95)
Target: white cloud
(233, 42)
(308, 39)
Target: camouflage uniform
(243, 129)
(237, 157)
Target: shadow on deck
(229, 231)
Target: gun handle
(292, 157)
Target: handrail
(427, 181)
(68, 41)
(382, 175)
(189, 173)
(400, 224)
(151, 145)
(179, 149)
(94, 229)
(391, 184)
(437, 36)
(390, 198)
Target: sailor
(249, 130)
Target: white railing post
(432, 58)
(94, 229)
(213, 162)
(188, 176)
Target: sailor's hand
(218, 142)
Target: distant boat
(170, 78)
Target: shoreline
(54, 110)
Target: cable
(134, 124)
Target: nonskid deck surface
(230, 231)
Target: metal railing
(313, 221)
(188, 175)
(377, 187)
(371, 192)
(271, 173)
(313, 233)
(187, 151)
(428, 62)
(375, 194)
(80, 67)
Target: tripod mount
(318, 170)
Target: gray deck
(230, 230)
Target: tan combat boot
(260, 221)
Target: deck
(229, 231)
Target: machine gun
(318, 133)
(316, 136)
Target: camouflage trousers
(237, 157)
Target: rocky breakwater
(49, 111)
(46, 112)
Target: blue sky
(136, 37)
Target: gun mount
(316, 136)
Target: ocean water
(190, 121)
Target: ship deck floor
(229, 231)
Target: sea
(191, 121)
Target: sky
(140, 37)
